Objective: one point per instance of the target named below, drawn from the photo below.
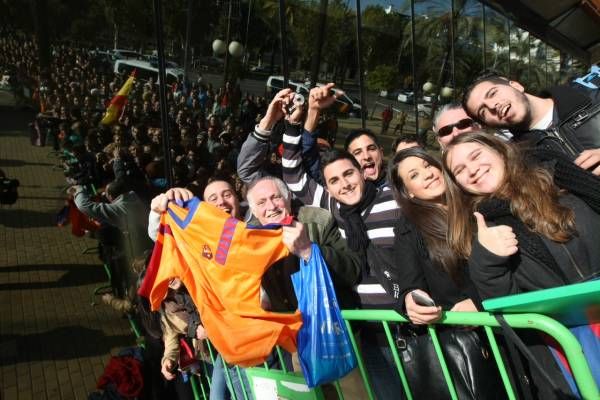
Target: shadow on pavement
(74, 275)
(20, 163)
(15, 121)
(62, 343)
(18, 218)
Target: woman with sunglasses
(519, 231)
(426, 277)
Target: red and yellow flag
(116, 105)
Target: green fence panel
(501, 367)
(292, 385)
(393, 347)
(572, 349)
(273, 384)
(442, 360)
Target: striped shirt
(379, 217)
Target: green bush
(383, 77)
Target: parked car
(406, 97)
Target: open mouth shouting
(369, 170)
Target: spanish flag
(116, 105)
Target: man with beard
(565, 120)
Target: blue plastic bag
(324, 347)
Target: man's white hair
(281, 186)
(441, 110)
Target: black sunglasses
(462, 124)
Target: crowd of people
(421, 236)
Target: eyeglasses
(462, 124)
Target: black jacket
(578, 259)
(575, 124)
(407, 266)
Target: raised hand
(295, 238)
(295, 117)
(276, 110)
(159, 203)
(499, 240)
(321, 98)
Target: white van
(275, 84)
(145, 70)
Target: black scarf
(381, 181)
(568, 176)
(499, 211)
(353, 224)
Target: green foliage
(383, 36)
(383, 77)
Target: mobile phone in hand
(422, 300)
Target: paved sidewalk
(53, 343)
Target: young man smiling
(365, 214)
(343, 174)
(566, 119)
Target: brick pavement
(53, 343)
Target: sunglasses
(462, 124)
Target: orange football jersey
(221, 261)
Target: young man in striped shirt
(365, 210)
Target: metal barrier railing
(571, 347)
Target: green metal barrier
(291, 385)
(572, 349)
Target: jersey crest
(206, 253)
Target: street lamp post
(234, 49)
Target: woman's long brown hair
(533, 197)
(429, 218)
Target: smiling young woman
(519, 231)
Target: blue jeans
(381, 369)
(219, 382)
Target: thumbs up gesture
(499, 240)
